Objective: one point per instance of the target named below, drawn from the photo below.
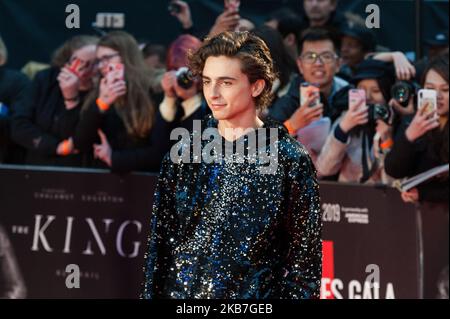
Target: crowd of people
(112, 102)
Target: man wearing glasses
(318, 63)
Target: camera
(402, 91)
(185, 78)
(379, 112)
(174, 8)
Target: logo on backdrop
(334, 288)
(73, 19)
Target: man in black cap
(356, 43)
(437, 44)
(323, 13)
(290, 25)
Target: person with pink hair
(183, 102)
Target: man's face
(154, 62)
(227, 90)
(319, 10)
(322, 70)
(352, 51)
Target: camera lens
(402, 92)
(379, 112)
(185, 78)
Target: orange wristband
(387, 144)
(102, 105)
(66, 148)
(289, 127)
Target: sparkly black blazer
(226, 230)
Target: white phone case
(427, 97)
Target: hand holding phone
(357, 113)
(308, 90)
(69, 80)
(426, 118)
(113, 85)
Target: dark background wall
(32, 29)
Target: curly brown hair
(256, 61)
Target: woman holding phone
(47, 116)
(422, 141)
(119, 121)
(349, 150)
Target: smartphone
(427, 99)
(74, 66)
(308, 89)
(232, 5)
(355, 96)
(116, 72)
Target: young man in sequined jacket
(227, 228)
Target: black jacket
(13, 86)
(188, 122)
(128, 153)
(408, 159)
(41, 122)
(231, 230)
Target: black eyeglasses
(325, 57)
(81, 64)
(106, 58)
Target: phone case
(74, 65)
(355, 96)
(116, 72)
(428, 99)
